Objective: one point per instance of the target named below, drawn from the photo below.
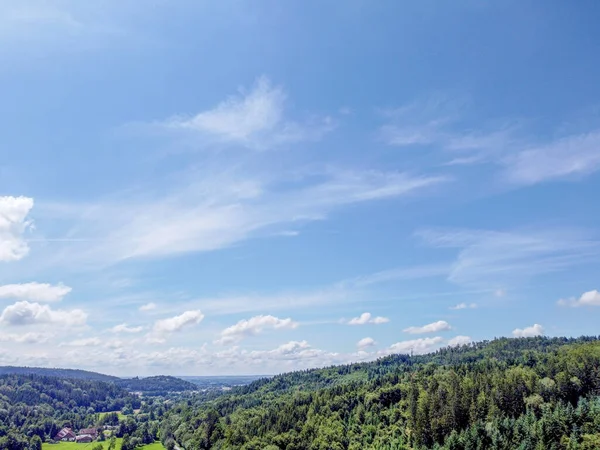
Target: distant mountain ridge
(157, 385)
(57, 372)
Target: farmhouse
(87, 435)
(93, 432)
(66, 434)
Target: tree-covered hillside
(158, 385)
(55, 372)
(34, 408)
(530, 394)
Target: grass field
(120, 415)
(75, 446)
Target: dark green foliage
(34, 408)
(535, 393)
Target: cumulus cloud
(124, 328)
(590, 298)
(27, 338)
(86, 342)
(459, 340)
(26, 313)
(179, 322)
(440, 325)
(534, 330)
(416, 346)
(255, 119)
(147, 307)
(13, 225)
(464, 306)
(366, 343)
(365, 318)
(37, 292)
(253, 326)
(294, 352)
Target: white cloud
(523, 158)
(459, 340)
(575, 155)
(13, 225)
(253, 326)
(416, 346)
(366, 318)
(179, 322)
(440, 325)
(147, 307)
(491, 258)
(464, 306)
(534, 330)
(366, 343)
(217, 210)
(123, 328)
(37, 292)
(590, 298)
(27, 338)
(254, 119)
(400, 273)
(25, 313)
(86, 342)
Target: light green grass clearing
(76, 446)
(120, 415)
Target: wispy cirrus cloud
(464, 306)
(566, 157)
(523, 159)
(254, 118)
(219, 211)
(497, 258)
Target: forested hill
(60, 373)
(158, 385)
(33, 408)
(534, 393)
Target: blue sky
(235, 187)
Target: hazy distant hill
(158, 385)
(54, 372)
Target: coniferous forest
(529, 394)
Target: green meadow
(75, 446)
